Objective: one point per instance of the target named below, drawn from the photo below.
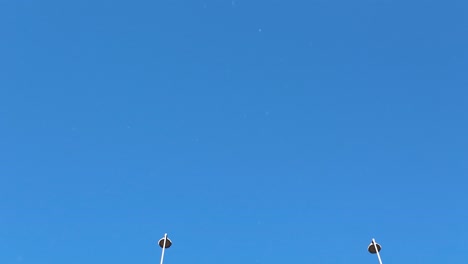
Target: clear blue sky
(262, 132)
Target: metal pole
(376, 250)
(164, 247)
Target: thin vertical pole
(376, 250)
(164, 247)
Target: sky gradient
(260, 132)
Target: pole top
(373, 248)
(168, 242)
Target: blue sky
(255, 132)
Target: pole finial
(165, 242)
(375, 248)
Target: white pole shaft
(164, 247)
(376, 250)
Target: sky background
(254, 132)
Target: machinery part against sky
(167, 240)
(164, 243)
(375, 248)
